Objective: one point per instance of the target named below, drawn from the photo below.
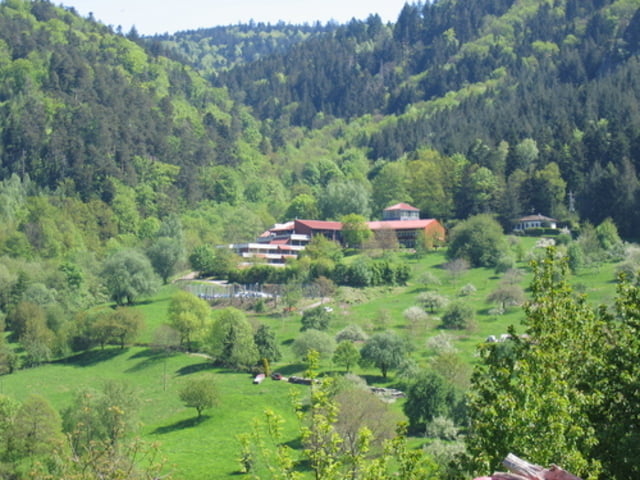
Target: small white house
(534, 221)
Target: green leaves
(385, 350)
(199, 393)
(533, 394)
(230, 340)
(128, 274)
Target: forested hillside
(212, 50)
(82, 106)
(539, 97)
(504, 107)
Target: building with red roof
(401, 211)
(287, 240)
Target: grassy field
(208, 449)
(194, 449)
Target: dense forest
(302, 115)
(124, 161)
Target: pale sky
(161, 16)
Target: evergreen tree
(231, 341)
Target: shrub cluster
(371, 273)
(364, 272)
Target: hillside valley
(130, 165)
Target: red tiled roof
(321, 224)
(279, 241)
(400, 224)
(402, 206)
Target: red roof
(279, 241)
(321, 224)
(401, 224)
(402, 206)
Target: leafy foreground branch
(566, 391)
(264, 454)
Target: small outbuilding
(534, 221)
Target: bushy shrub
(443, 428)
(441, 343)
(366, 272)
(505, 262)
(479, 239)
(317, 318)
(468, 289)
(458, 316)
(316, 340)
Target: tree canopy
(230, 339)
(128, 275)
(479, 240)
(384, 350)
(540, 385)
(199, 393)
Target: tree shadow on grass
(489, 315)
(416, 290)
(195, 368)
(295, 444)
(181, 425)
(92, 357)
(145, 301)
(375, 379)
(148, 352)
(292, 369)
(150, 357)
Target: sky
(162, 16)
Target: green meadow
(208, 448)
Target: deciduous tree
(189, 315)
(358, 408)
(479, 239)
(616, 418)
(316, 318)
(313, 340)
(36, 431)
(346, 355)
(507, 296)
(199, 393)
(128, 275)
(428, 397)
(458, 316)
(534, 395)
(433, 301)
(165, 253)
(355, 231)
(385, 350)
(103, 416)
